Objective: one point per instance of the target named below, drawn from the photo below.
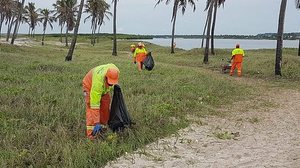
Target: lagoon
(188, 44)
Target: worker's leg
(104, 109)
(89, 116)
(239, 69)
(92, 116)
(139, 66)
(232, 68)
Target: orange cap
(112, 76)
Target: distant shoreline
(264, 36)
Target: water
(188, 44)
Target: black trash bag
(148, 62)
(119, 118)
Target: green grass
(42, 113)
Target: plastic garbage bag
(119, 116)
(149, 62)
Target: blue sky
(247, 17)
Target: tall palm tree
(115, 28)
(298, 7)
(217, 3)
(177, 5)
(17, 24)
(97, 10)
(71, 12)
(10, 12)
(73, 43)
(32, 17)
(209, 6)
(66, 11)
(60, 15)
(3, 9)
(46, 19)
(280, 37)
(203, 34)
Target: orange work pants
(237, 65)
(94, 116)
(139, 59)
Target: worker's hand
(96, 129)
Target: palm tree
(46, 19)
(217, 3)
(32, 17)
(177, 5)
(3, 9)
(73, 43)
(9, 11)
(60, 14)
(280, 38)
(17, 24)
(298, 7)
(203, 34)
(97, 9)
(209, 6)
(66, 11)
(71, 12)
(115, 28)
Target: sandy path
(267, 136)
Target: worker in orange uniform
(132, 49)
(97, 84)
(140, 54)
(237, 59)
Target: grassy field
(42, 116)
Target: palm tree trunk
(203, 34)
(213, 28)
(43, 38)
(205, 60)
(173, 29)
(98, 34)
(61, 29)
(280, 38)
(1, 23)
(115, 29)
(17, 23)
(10, 24)
(66, 37)
(72, 47)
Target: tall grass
(42, 113)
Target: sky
(237, 17)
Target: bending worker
(140, 54)
(96, 86)
(237, 59)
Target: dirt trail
(264, 132)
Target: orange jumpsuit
(97, 98)
(237, 56)
(140, 54)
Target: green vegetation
(42, 113)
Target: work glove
(97, 129)
(134, 62)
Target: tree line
(67, 13)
